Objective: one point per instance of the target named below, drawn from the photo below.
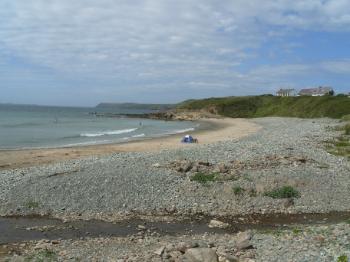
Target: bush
(283, 192)
(203, 178)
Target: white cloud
(161, 42)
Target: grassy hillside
(118, 106)
(260, 106)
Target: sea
(27, 126)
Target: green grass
(297, 231)
(262, 106)
(346, 118)
(283, 192)
(342, 143)
(347, 129)
(42, 256)
(203, 178)
(343, 258)
(32, 204)
(341, 146)
(237, 190)
(252, 192)
(274, 232)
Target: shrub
(203, 178)
(283, 192)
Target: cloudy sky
(82, 52)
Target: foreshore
(210, 131)
(242, 168)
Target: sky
(82, 52)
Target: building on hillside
(318, 91)
(286, 92)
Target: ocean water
(47, 127)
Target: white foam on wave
(135, 136)
(140, 135)
(109, 133)
(87, 143)
(184, 130)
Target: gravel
(124, 184)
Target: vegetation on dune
(237, 190)
(32, 204)
(204, 178)
(267, 105)
(347, 129)
(340, 146)
(42, 256)
(283, 192)
(342, 258)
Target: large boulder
(201, 255)
(217, 224)
(243, 240)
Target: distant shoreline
(209, 131)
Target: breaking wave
(140, 135)
(184, 130)
(109, 133)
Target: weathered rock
(223, 168)
(201, 255)
(141, 227)
(175, 255)
(288, 202)
(243, 240)
(159, 251)
(186, 167)
(183, 246)
(228, 258)
(217, 224)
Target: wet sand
(214, 130)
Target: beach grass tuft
(237, 190)
(32, 204)
(204, 178)
(343, 258)
(42, 256)
(283, 192)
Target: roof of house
(285, 90)
(317, 90)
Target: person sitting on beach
(189, 139)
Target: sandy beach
(215, 130)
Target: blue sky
(62, 52)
